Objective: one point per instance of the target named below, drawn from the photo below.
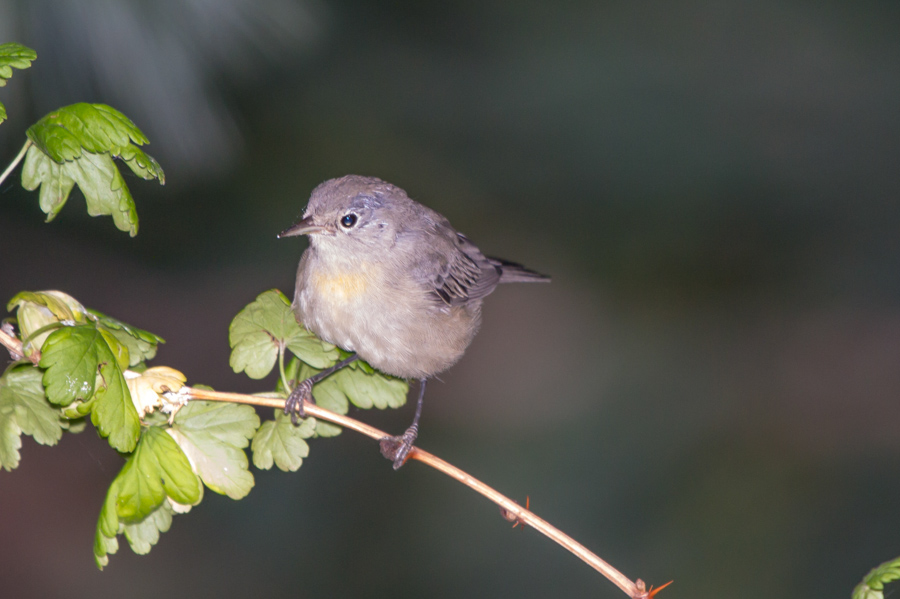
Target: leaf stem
(636, 589)
(284, 381)
(35, 334)
(15, 162)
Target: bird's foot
(397, 449)
(294, 404)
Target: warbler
(391, 281)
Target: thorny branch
(510, 509)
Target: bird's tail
(510, 272)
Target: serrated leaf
(112, 411)
(10, 439)
(141, 535)
(98, 178)
(281, 443)
(22, 391)
(75, 426)
(157, 469)
(265, 325)
(35, 310)
(118, 351)
(71, 357)
(366, 390)
(77, 144)
(14, 55)
(326, 429)
(872, 586)
(362, 389)
(2, 112)
(142, 164)
(142, 345)
(144, 534)
(105, 542)
(213, 436)
(81, 365)
(95, 128)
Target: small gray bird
(393, 282)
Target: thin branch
(635, 589)
(14, 347)
(15, 162)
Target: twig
(14, 346)
(635, 590)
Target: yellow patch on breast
(344, 286)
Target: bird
(391, 281)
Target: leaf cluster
(13, 55)
(90, 364)
(77, 144)
(79, 363)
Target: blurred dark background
(708, 391)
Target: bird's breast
(340, 286)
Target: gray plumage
(391, 279)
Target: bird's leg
(397, 449)
(303, 391)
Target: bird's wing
(464, 274)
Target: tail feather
(511, 272)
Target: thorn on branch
(643, 593)
(511, 517)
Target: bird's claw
(397, 449)
(295, 401)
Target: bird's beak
(303, 227)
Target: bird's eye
(348, 220)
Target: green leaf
(10, 439)
(73, 358)
(366, 390)
(59, 305)
(2, 112)
(157, 469)
(142, 532)
(96, 128)
(281, 443)
(14, 55)
(326, 429)
(22, 399)
(77, 144)
(112, 411)
(145, 534)
(263, 327)
(98, 178)
(872, 586)
(142, 164)
(213, 435)
(105, 542)
(37, 310)
(362, 389)
(141, 344)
